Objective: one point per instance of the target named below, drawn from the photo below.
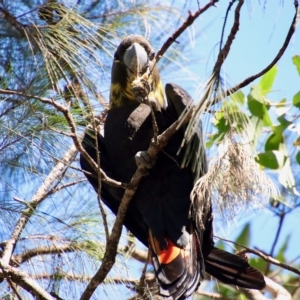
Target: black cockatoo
(160, 214)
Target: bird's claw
(142, 158)
(141, 91)
(141, 98)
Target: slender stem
(263, 255)
(188, 22)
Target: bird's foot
(142, 158)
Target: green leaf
(274, 141)
(226, 291)
(256, 102)
(266, 118)
(298, 158)
(284, 123)
(258, 263)
(257, 94)
(238, 97)
(267, 80)
(214, 139)
(221, 245)
(271, 159)
(296, 100)
(244, 237)
(223, 125)
(296, 61)
(255, 107)
(238, 120)
(257, 126)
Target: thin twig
(281, 51)
(224, 23)
(133, 252)
(37, 198)
(62, 132)
(65, 110)
(85, 278)
(213, 295)
(188, 22)
(69, 246)
(25, 281)
(143, 275)
(13, 21)
(12, 285)
(64, 186)
(102, 209)
(263, 255)
(45, 250)
(234, 29)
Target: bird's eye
(143, 71)
(151, 55)
(144, 68)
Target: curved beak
(136, 59)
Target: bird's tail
(177, 270)
(233, 269)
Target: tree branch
(12, 20)
(25, 281)
(18, 259)
(234, 29)
(45, 250)
(277, 291)
(263, 256)
(66, 112)
(188, 22)
(137, 254)
(281, 51)
(14, 287)
(64, 186)
(37, 198)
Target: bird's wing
(110, 195)
(192, 151)
(233, 269)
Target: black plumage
(160, 213)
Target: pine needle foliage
(59, 50)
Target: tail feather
(233, 269)
(177, 269)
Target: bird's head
(134, 73)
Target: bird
(160, 213)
